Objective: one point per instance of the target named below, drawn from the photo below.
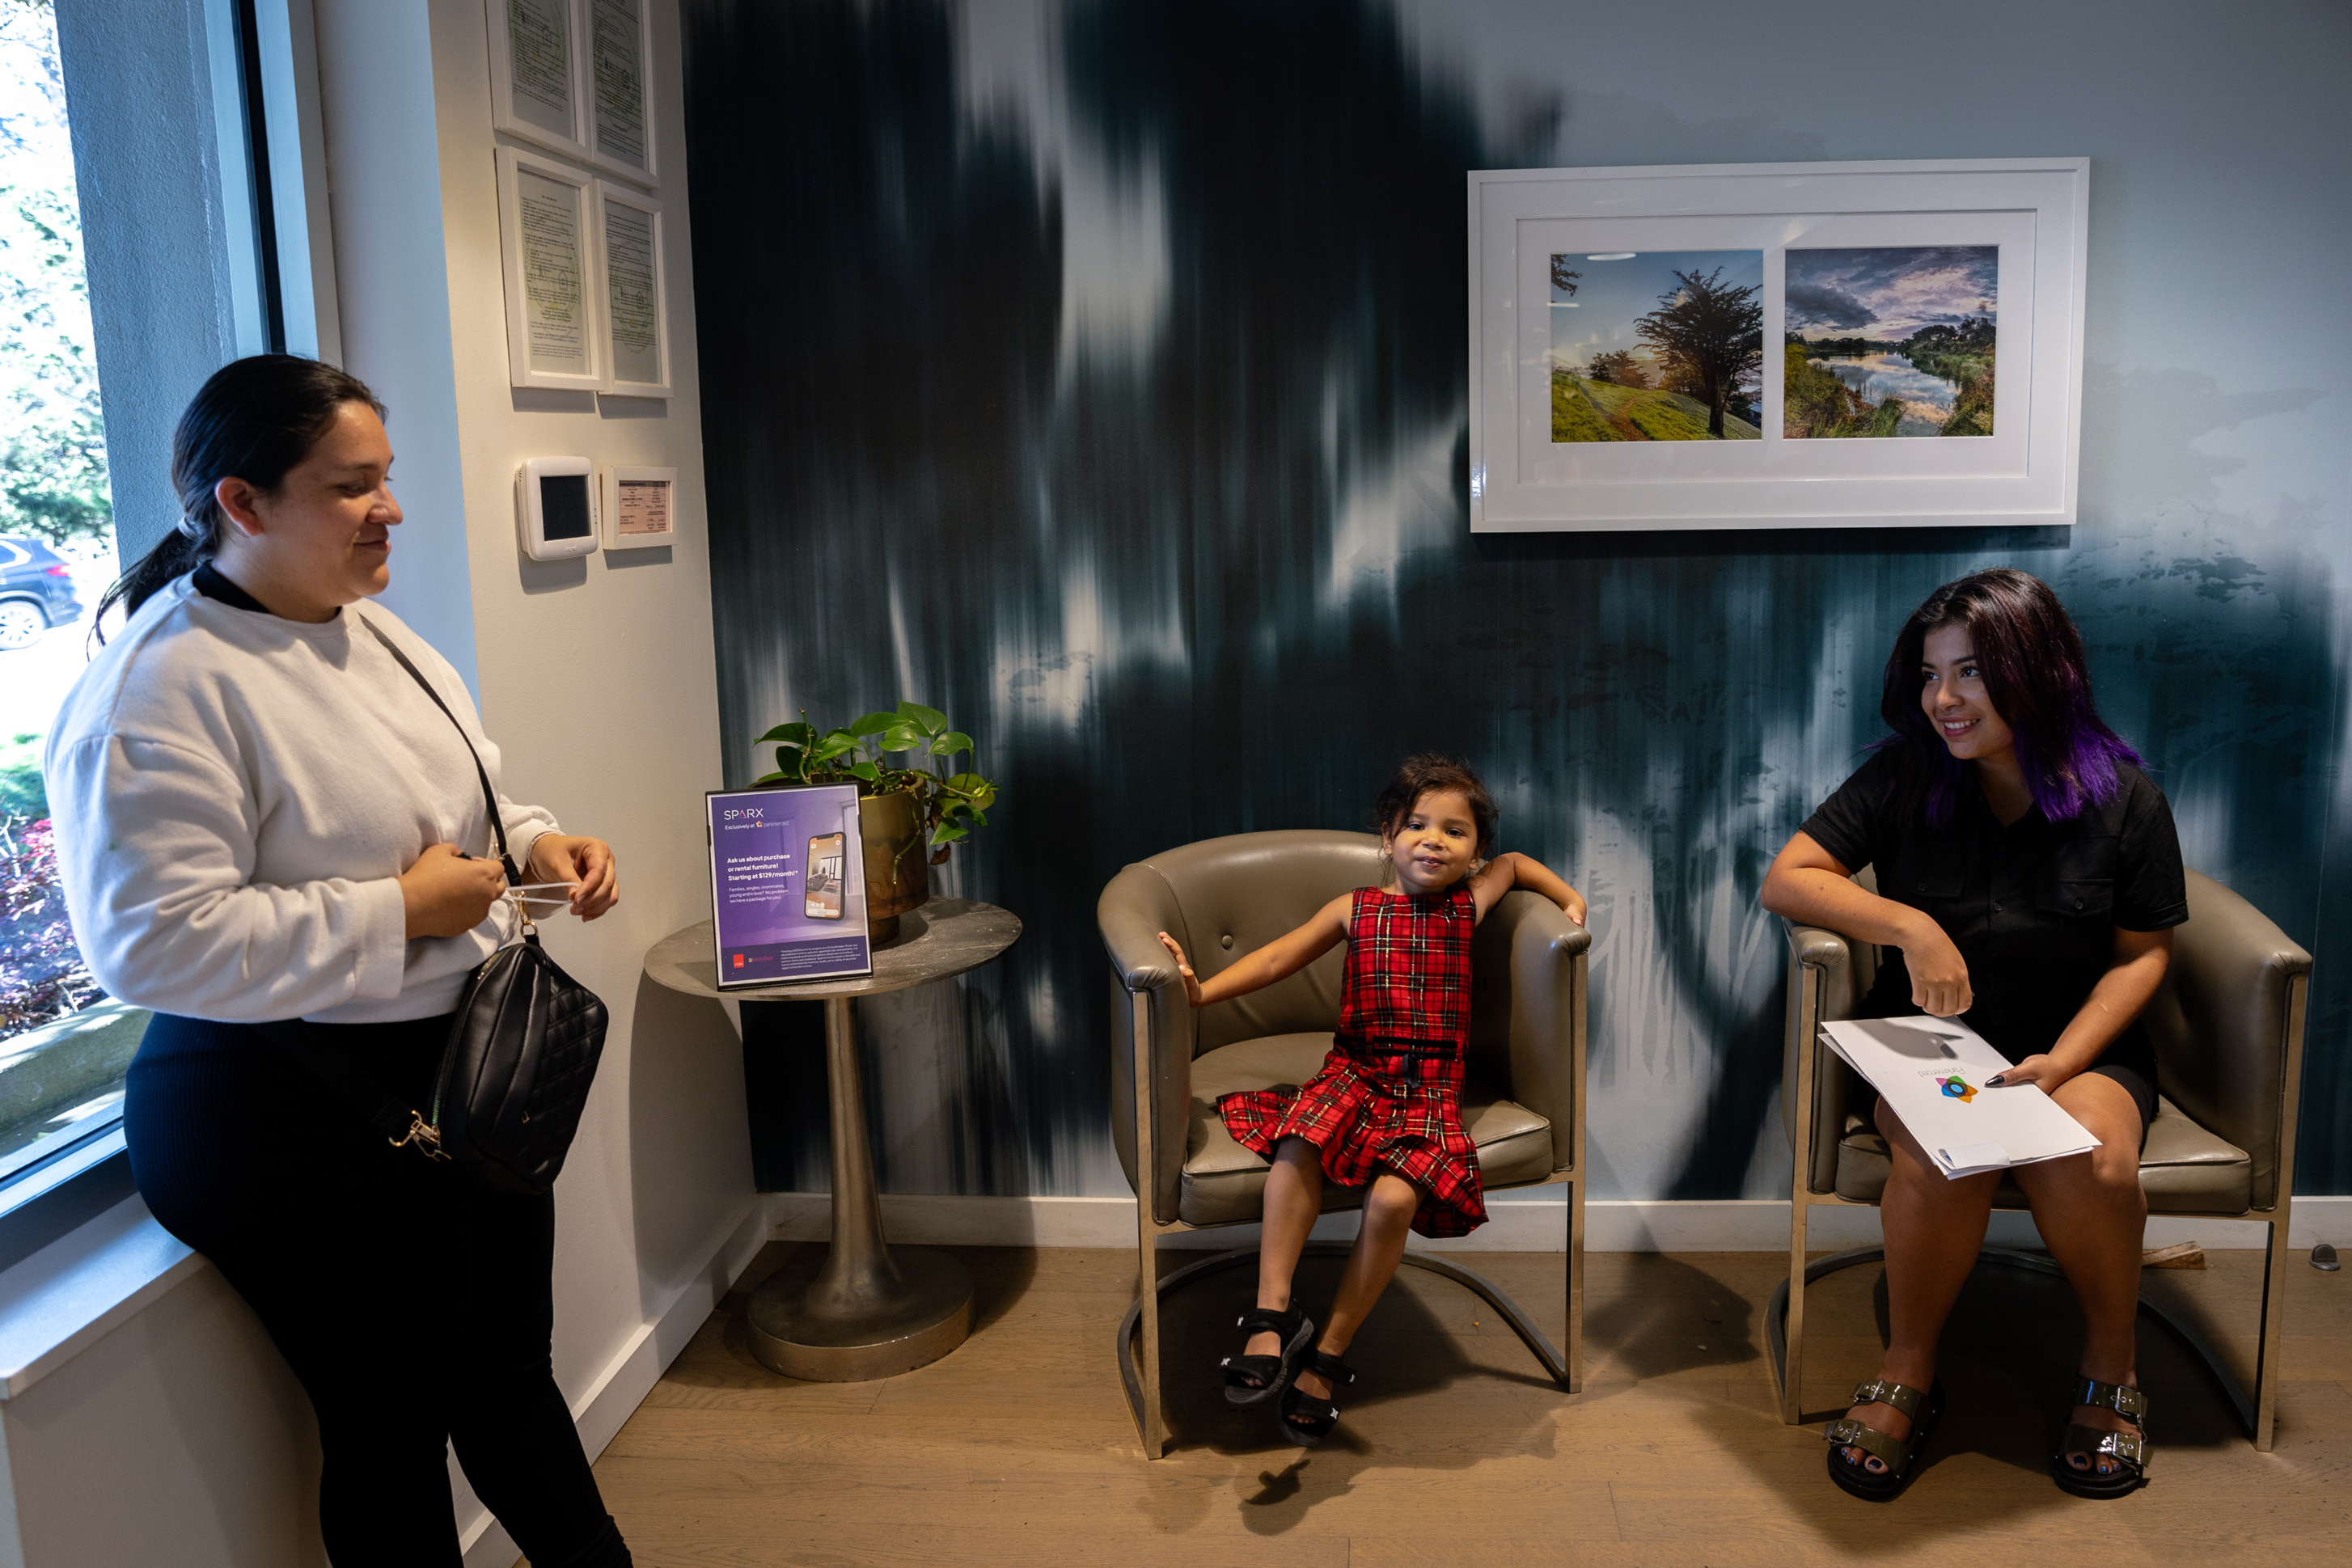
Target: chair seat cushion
(2184, 1170)
(1222, 1181)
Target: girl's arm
(1278, 959)
(1808, 884)
(1512, 869)
(2133, 974)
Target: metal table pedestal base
(806, 1326)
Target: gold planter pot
(898, 868)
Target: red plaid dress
(1389, 1096)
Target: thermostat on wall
(638, 511)
(555, 511)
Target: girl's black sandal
(1306, 1420)
(2128, 1451)
(1251, 1380)
(1899, 1455)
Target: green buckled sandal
(1900, 1456)
(2129, 1449)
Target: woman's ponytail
(254, 418)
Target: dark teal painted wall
(1097, 372)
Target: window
(64, 1046)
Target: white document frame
(570, 140)
(610, 511)
(609, 196)
(592, 141)
(513, 165)
(2035, 209)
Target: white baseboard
(615, 1393)
(1513, 1225)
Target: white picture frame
(2022, 473)
(549, 225)
(528, 78)
(617, 127)
(645, 520)
(632, 292)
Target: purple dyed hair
(2036, 677)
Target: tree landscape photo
(1656, 345)
(1889, 341)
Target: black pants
(415, 1308)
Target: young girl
(1386, 1107)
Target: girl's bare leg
(1389, 1210)
(1294, 1196)
(1935, 1229)
(2093, 1216)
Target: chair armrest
(2227, 1024)
(1824, 985)
(1148, 995)
(1527, 998)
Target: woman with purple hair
(2029, 878)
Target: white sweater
(235, 797)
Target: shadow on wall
(684, 1062)
(1115, 403)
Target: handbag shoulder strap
(490, 796)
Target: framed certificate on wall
(787, 885)
(575, 77)
(640, 508)
(536, 73)
(631, 297)
(618, 43)
(547, 236)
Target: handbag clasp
(423, 1136)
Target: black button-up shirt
(2032, 907)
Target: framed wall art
(1777, 345)
(548, 242)
(631, 297)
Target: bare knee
(1391, 1203)
(1299, 1154)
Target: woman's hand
(2043, 1072)
(586, 863)
(446, 894)
(1939, 976)
(1183, 969)
(1573, 907)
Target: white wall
(176, 1435)
(596, 676)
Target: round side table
(867, 1312)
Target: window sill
(73, 1292)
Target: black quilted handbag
(522, 1049)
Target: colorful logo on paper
(1958, 1088)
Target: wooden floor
(1018, 1450)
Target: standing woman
(2029, 878)
(260, 816)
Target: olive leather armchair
(1522, 1106)
(2228, 1027)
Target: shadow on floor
(2007, 1362)
(1428, 1335)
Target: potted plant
(899, 810)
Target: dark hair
(1417, 777)
(253, 419)
(2037, 680)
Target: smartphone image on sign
(824, 886)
